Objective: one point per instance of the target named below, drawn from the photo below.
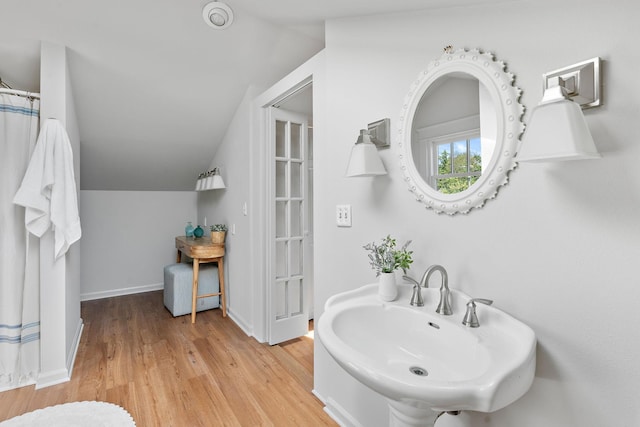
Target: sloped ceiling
(154, 86)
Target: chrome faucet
(416, 297)
(444, 307)
(470, 317)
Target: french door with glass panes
(289, 282)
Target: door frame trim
(260, 158)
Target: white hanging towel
(48, 189)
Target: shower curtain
(19, 252)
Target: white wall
(74, 258)
(241, 154)
(128, 237)
(226, 207)
(60, 320)
(558, 248)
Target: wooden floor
(167, 372)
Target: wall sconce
(210, 180)
(364, 159)
(557, 129)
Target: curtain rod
(20, 93)
(5, 88)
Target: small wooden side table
(202, 250)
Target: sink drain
(417, 370)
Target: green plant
(219, 227)
(385, 258)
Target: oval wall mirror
(459, 130)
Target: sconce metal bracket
(582, 82)
(380, 132)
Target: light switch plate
(343, 215)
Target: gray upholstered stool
(178, 281)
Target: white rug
(76, 414)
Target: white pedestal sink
(425, 363)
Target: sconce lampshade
(557, 131)
(210, 180)
(217, 182)
(364, 159)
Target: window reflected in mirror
(459, 164)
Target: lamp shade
(364, 159)
(200, 182)
(557, 131)
(217, 182)
(210, 180)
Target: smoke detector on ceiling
(217, 15)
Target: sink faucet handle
(481, 300)
(416, 297)
(471, 318)
(410, 279)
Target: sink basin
(421, 360)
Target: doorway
(290, 286)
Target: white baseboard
(319, 396)
(240, 322)
(123, 291)
(47, 379)
(337, 412)
(71, 358)
(50, 378)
